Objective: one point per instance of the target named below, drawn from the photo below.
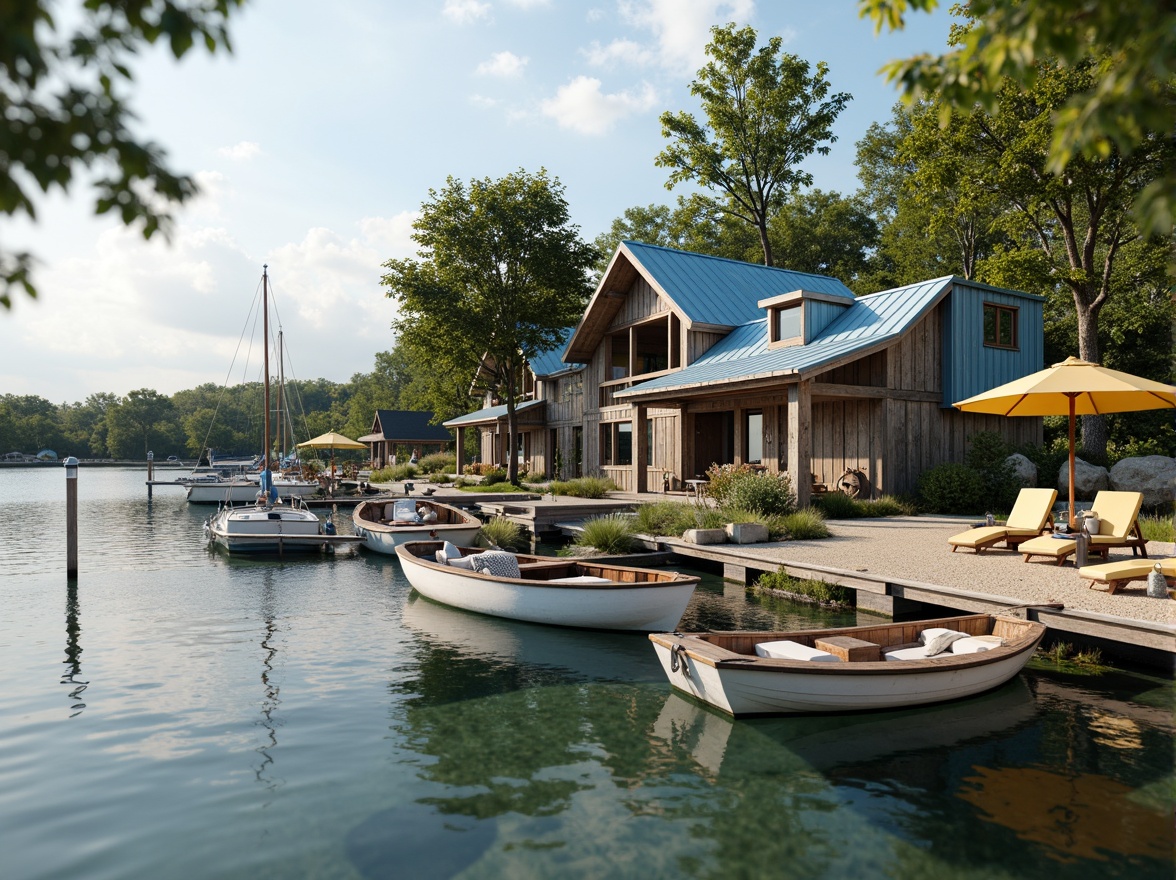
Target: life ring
(850, 482)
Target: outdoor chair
(1117, 574)
(1118, 514)
(1030, 516)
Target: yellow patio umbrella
(332, 441)
(1075, 388)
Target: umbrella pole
(1072, 520)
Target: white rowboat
(556, 591)
(384, 524)
(873, 667)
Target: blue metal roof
(744, 353)
(490, 414)
(714, 290)
(548, 363)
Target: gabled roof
(871, 322)
(409, 425)
(703, 289)
(490, 414)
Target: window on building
(1000, 326)
(616, 443)
(754, 432)
(786, 323)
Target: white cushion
(916, 653)
(937, 640)
(580, 579)
(786, 650)
(498, 563)
(441, 557)
(450, 550)
(974, 644)
(466, 562)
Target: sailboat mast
(265, 337)
(283, 416)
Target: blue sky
(317, 140)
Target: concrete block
(746, 533)
(705, 536)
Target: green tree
(826, 234)
(61, 97)
(765, 114)
(1114, 113)
(502, 272)
(83, 426)
(138, 422)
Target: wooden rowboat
(883, 666)
(556, 591)
(384, 524)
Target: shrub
(1158, 528)
(722, 477)
(805, 525)
(437, 477)
(836, 505)
(951, 488)
(493, 477)
(769, 494)
(501, 532)
(438, 461)
(612, 533)
(816, 591)
(669, 518)
(988, 455)
(583, 487)
(394, 473)
(887, 505)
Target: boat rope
(675, 661)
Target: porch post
(640, 448)
(800, 447)
(460, 450)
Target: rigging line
(229, 374)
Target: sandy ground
(916, 548)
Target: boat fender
(675, 662)
(329, 528)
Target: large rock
(1153, 475)
(1025, 470)
(1089, 479)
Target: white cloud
(241, 151)
(486, 103)
(503, 64)
(465, 11)
(618, 51)
(682, 27)
(583, 107)
(391, 236)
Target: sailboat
(269, 525)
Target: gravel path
(916, 548)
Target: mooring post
(71, 518)
(150, 472)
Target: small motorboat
(269, 527)
(561, 591)
(384, 524)
(882, 666)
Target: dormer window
(799, 317)
(788, 325)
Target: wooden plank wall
(848, 433)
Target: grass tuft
(612, 534)
(501, 532)
(813, 590)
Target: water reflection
(73, 649)
(270, 688)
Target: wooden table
(849, 648)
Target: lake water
(177, 713)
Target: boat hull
(381, 537)
(749, 685)
(640, 607)
(262, 530)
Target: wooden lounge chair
(1116, 574)
(1030, 516)
(1118, 514)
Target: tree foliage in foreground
(765, 113)
(502, 272)
(63, 75)
(1130, 95)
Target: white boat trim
(721, 669)
(635, 599)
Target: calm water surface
(180, 714)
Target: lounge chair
(1029, 518)
(1116, 574)
(1118, 514)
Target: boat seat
(580, 579)
(975, 644)
(788, 650)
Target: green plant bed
(501, 532)
(820, 592)
(494, 488)
(1157, 528)
(612, 533)
(583, 487)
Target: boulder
(705, 536)
(1088, 479)
(1153, 475)
(746, 533)
(1025, 470)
